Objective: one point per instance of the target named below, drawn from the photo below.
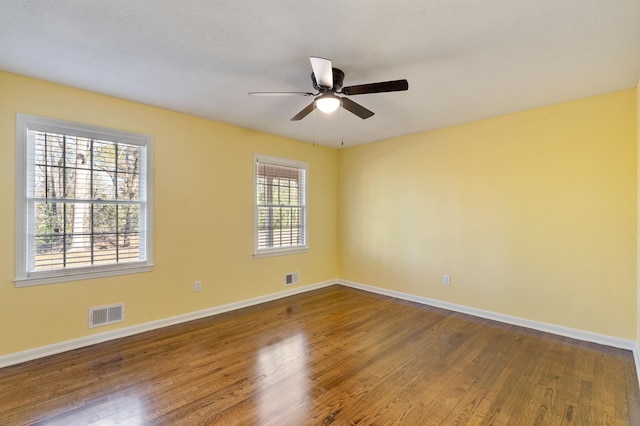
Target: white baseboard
(636, 358)
(508, 319)
(56, 348)
(522, 322)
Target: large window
(280, 206)
(83, 201)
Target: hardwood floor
(335, 355)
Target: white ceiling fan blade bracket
(323, 71)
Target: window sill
(83, 274)
(280, 252)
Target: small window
(280, 206)
(83, 207)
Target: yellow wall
(638, 177)
(533, 214)
(202, 218)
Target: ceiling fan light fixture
(328, 81)
(328, 103)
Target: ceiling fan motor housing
(338, 79)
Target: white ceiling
(464, 60)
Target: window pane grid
(86, 200)
(286, 227)
(281, 210)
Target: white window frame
(279, 251)
(26, 125)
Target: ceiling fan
(328, 82)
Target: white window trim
(279, 251)
(26, 123)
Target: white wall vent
(292, 278)
(104, 315)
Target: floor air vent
(104, 315)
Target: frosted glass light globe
(328, 103)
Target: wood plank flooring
(331, 356)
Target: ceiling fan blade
(302, 114)
(356, 108)
(323, 71)
(384, 86)
(280, 93)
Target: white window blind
(84, 201)
(281, 211)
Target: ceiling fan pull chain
(341, 125)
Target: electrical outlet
(446, 279)
(197, 286)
